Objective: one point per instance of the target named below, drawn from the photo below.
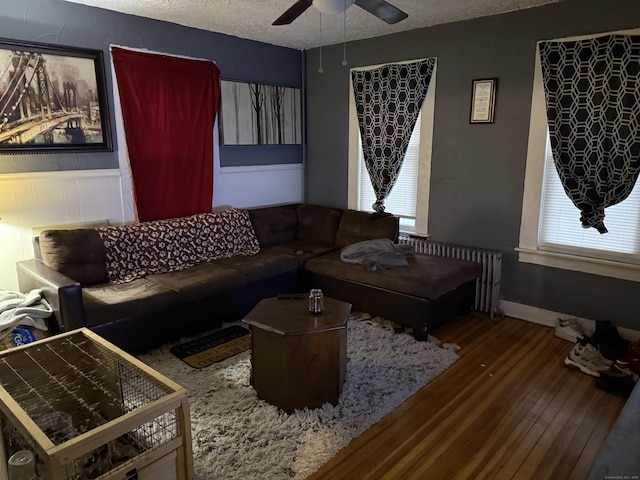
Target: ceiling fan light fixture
(378, 8)
(332, 6)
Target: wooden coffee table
(298, 359)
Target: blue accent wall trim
(242, 155)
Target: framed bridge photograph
(52, 99)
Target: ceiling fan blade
(383, 10)
(294, 12)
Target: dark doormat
(212, 348)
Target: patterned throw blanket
(162, 246)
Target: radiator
(487, 286)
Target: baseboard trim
(549, 318)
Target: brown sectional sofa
(299, 248)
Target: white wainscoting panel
(51, 198)
(257, 185)
(59, 198)
(549, 318)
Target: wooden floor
(507, 409)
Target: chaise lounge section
(428, 292)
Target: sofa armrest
(63, 293)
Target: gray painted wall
(477, 171)
(61, 23)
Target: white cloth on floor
(23, 309)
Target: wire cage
(89, 410)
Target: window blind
(402, 198)
(560, 228)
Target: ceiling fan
(380, 8)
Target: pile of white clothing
(28, 310)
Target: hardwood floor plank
(543, 449)
(507, 408)
(452, 419)
(566, 444)
(603, 416)
(482, 412)
(532, 397)
(406, 418)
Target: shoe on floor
(609, 341)
(592, 353)
(584, 358)
(569, 329)
(616, 383)
(630, 364)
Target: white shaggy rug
(238, 436)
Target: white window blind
(560, 228)
(403, 196)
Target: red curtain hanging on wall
(169, 106)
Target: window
(403, 198)
(550, 230)
(409, 197)
(560, 229)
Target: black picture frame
(483, 100)
(52, 99)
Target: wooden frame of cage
(177, 452)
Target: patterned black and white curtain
(388, 101)
(592, 89)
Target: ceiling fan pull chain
(320, 69)
(344, 39)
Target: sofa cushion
(317, 224)
(36, 231)
(274, 226)
(265, 264)
(201, 281)
(356, 226)
(79, 254)
(108, 302)
(301, 250)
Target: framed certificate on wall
(483, 100)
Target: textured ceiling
(252, 19)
